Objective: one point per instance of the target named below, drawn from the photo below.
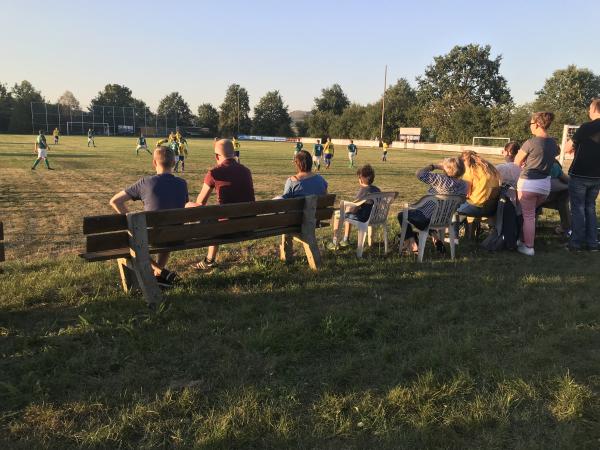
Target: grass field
(488, 351)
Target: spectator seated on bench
(233, 183)
(157, 192)
(558, 198)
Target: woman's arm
(520, 158)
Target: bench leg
(128, 277)
(286, 249)
(313, 255)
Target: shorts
(181, 158)
(237, 153)
(328, 156)
(42, 152)
(317, 158)
(142, 146)
(351, 155)
(350, 216)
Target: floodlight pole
(238, 110)
(383, 102)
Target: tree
(114, 95)
(6, 104)
(236, 105)
(400, 103)
(301, 128)
(332, 99)
(271, 116)
(464, 82)
(518, 123)
(350, 124)
(319, 123)
(568, 93)
(69, 101)
(208, 117)
(22, 95)
(173, 105)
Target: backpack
(508, 223)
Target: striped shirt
(440, 183)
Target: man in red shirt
(233, 183)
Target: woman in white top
(536, 158)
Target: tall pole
(383, 102)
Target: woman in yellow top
(483, 186)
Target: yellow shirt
(182, 149)
(171, 137)
(236, 144)
(178, 136)
(385, 145)
(328, 148)
(55, 132)
(161, 142)
(481, 186)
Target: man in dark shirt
(160, 191)
(584, 183)
(233, 183)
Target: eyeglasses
(532, 123)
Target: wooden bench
(131, 238)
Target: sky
(198, 48)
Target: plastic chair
(445, 207)
(378, 218)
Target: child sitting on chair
(362, 208)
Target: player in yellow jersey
(182, 152)
(328, 151)
(178, 135)
(236, 148)
(171, 137)
(56, 135)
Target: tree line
(460, 95)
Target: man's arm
(118, 202)
(204, 194)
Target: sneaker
(332, 246)
(526, 250)
(166, 279)
(205, 264)
(344, 243)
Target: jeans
(583, 193)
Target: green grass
(488, 351)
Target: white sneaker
(529, 251)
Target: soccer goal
(490, 141)
(568, 132)
(82, 128)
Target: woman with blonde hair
(536, 157)
(483, 186)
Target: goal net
(490, 141)
(100, 129)
(568, 132)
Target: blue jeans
(583, 193)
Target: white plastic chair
(441, 220)
(378, 218)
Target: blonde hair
(454, 167)
(472, 159)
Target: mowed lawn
(487, 351)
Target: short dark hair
(366, 173)
(303, 161)
(512, 148)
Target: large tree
(173, 105)
(69, 101)
(271, 116)
(464, 82)
(6, 104)
(114, 95)
(235, 106)
(400, 104)
(332, 99)
(568, 93)
(208, 117)
(23, 94)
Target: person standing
(318, 154)
(41, 147)
(299, 146)
(233, 183)
(90, 135)
(536, 157)
(236, 148)
(384, 145)
(584, 183)
(352, 152)
(56, 135)
(141, 145)
(161, 191)
(328, 151)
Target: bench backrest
(107, 236)
(1, 241)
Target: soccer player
(161, 142)
(178, 135)
(42, 151)
(182, 151)
(91, 137)
(317, 154)
(141, 144)
(385, 150)
(297, 149)
(328, 151)
(236, 147)
(352, 152)
(56, 134)
(174, 146)
(171, 137)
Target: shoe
(33, 168)
(529, 251)
(166, 279)
(439, 246)
(573, 249)
(344, 243)
(205, 264)
(50, 168)
(332, 246)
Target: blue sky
(200, 47)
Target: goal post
(82, 128)
(490, 141)
(568, 132)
